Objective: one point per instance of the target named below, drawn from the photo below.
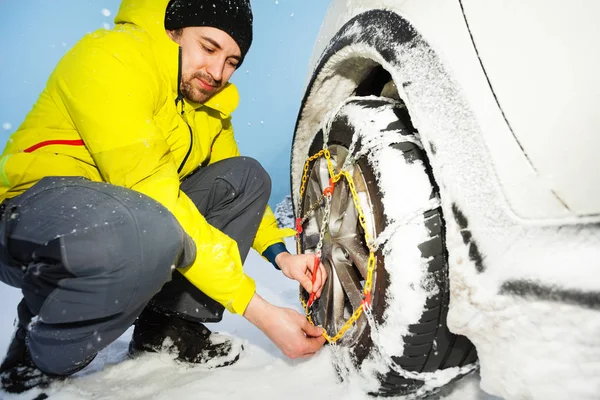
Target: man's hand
(300, 268)
(288, 329)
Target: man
(126, 176)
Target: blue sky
(34, 34)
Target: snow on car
(457, 142)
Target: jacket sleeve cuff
(243, 296)
(272, 251)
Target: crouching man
(125, 200)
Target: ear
(174, 35)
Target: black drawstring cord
(180, 99)
(179, 94)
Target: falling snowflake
(106, 12)
(7, 126)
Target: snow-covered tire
(406, 341)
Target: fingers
(296, 337)
(306, 279)
(311, 330)
(313, 345)
(302, 269)
(306, 282)
(314, 339)
(310, 263)
(320, 280)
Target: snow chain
(327, 194)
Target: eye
(207, 49)
(233, 63)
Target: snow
(6, 126)
(262, 372)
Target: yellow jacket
(108, 113)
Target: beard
(192, 90)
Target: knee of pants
(258, 175)
(148, 243)
(162, 238)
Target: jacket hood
(149, 15)
(146, 14)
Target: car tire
(405, 340)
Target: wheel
(403, 340)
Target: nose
(215, 69)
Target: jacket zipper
(177, 100)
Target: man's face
(209, 58)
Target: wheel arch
(363, 51)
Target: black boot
(18, 373)
(191, 342)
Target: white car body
(504, 94)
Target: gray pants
(90, 256)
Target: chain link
(306, 165)
(334, 178)
(309, 213)
(326, 215)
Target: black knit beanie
(231, 16)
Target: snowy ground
(262, 373)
